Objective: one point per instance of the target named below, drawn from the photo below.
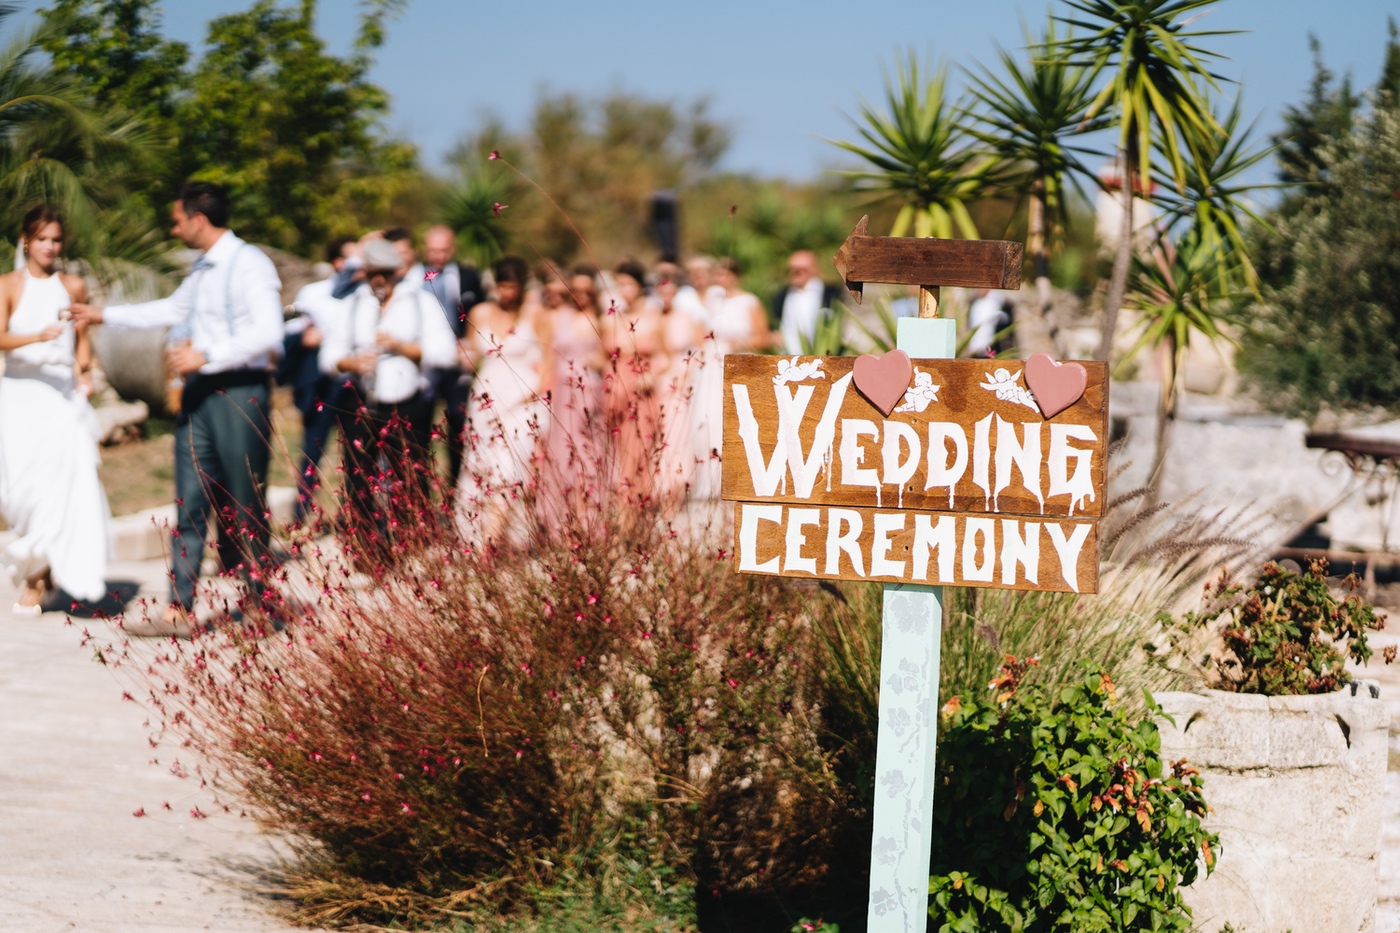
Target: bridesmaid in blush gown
(573, 448)
(50, 493)
(506, 416)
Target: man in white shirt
(377, 352)
(317, 311)
(230, 307)
(801, 305)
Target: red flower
(430, 274)
(495, 154)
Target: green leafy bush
(1055, 814)
(1286, 633)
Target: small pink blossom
(495, 154)
(497, 207)
(430, 274)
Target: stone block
(1295, 788)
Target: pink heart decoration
(883, 379)
(1056, 386)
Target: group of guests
(567, 380)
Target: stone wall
(1295, 788)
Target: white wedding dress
(50, 494)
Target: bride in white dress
(50, 494)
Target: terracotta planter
(1295, 787)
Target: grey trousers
(222, 447)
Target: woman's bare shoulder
(75, 284)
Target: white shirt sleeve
(338, 336)
(163, 312)
(438, 342)
(261, 333)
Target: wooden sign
(967, 437)
(832, 542)
(924, 260)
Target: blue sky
(782, 74)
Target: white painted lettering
(896, 472)
(1068, 549)
(796, 540)
(981, 456)
(1078, 485)
(1018, 550)
(880, 565)
(848, 541)
(765, 477)
(750, 514)
(1023, 454)
(971, 570)
(940, 471)
(853, 455)
(929, 537)
(806, 466)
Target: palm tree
(1214, 201)
(1026, 119)
(1179, 288)
(55, 148)
(1156, 83)
(918, 156)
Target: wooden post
(911, 636)
(928, 302)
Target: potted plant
(1294, 752)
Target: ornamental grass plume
(551, 681)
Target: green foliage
(600, 160)
(1328, 328)
(919, 155)
(1282, 631)
(1177, 289)
(1323, 119)
(1156, 70)
(1214, 202)
(1027, 118)
(276, 118)
(1056, 814)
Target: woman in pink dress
(572, 450)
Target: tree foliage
(599, 159)
(1328, 328)
(289, 127)
(919, 155)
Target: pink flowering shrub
(450, 721)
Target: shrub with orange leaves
(1055, 816)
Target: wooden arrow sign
(927, 261)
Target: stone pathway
(74, 767)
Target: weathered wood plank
(979, 444)
(889, 546)
(928, 261)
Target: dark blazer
(469, 296)
(831, 294)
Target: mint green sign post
(912, 629)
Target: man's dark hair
(511, 269)
(336, 246)
(395, 234)
(207, 198)
(633, 268)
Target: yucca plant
(1214, 201)
(1178, 289)
(55, 148)
(1026, 117)
(1158, 79)
(919, 155)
